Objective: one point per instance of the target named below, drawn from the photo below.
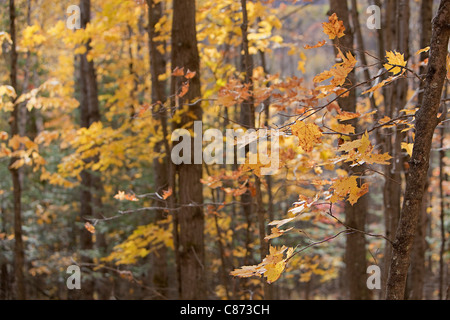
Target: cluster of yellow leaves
(25, 150)
(143, 240)
(326, 268)
(271, 267)
(360, 151)
(31, 37)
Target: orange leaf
(308, 135)
(190, 74)
(345, 115)
(334, 28)
(89, 227)
(184, 89)
(178, 72)
(318, 45)
(167, 193)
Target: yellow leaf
(308, 135)
(395, 58)
(348, 186)
(274, 271)
(426, 49)
(343, 128)
(408, 147)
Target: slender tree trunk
(19, 255)
(355, 216)
(426, 122)
(161, 168)
(191, 219)
(91, 185)
(4, 273)
(442, 178)
(248, 119)
(419, 247)
(397, 38)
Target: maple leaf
(395, 58)
(334, 28)
(339, 71)
(271, 267)
(348, 186)
(360, 151)
(308, 135)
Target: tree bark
(19, 255)
(161, 168)
(91, 185)
(426, 122)
(442, 178)
(191, 219)
(419, 247)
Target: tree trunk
(419, 247)
(191, 219)
(397, 38)
(355, 216)
(161, 168)
(19, 255)
(426, 122)
(91, 185)
(442, 178)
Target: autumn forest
(224, 150)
